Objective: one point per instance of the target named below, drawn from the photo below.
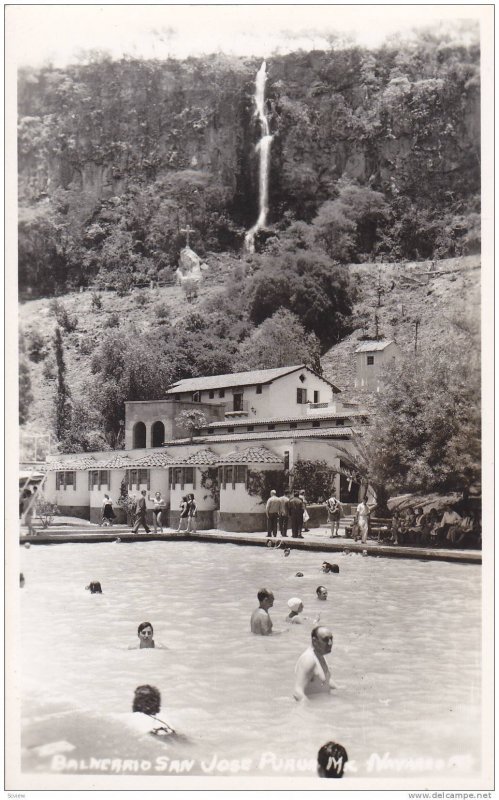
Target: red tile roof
(250, 455)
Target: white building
(255, 421)
(370, 360)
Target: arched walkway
(139, 434)
(157, 434)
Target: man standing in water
(260, 619)
(312, 672)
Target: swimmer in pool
(327, 567)
(311, 671)
(94, 587)
(321, 593)
(295, 617)
(295, 606)
(331, 760)
(260, 618)
(147, 703)
(145, 633)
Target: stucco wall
(164, 411)
(68, 496)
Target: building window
(65, 479)
(143, 476)
(259, 388)
(157, 434)
(139, 435)
(271, 427)
(238, 401)
(188, 475)
(177, 476)
(370, 361)
(293, 425)
(240, 473)
(196, 397)
(221, 392)
(286, 461)
(301, 396)
(210, 430)
(211, 394)
(316, 396)
(230, 430)
(302, 378)
(229, 475)
(99, 478)
(250, 428)
(340, 421)
(316, 424)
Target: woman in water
(147, 703)
(295, 606)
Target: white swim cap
(294, 604)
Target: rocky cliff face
(349, 114)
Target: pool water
(406, 658)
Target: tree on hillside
(424, 433)
(62, 417)
(280, 341)
(308, 284)
(346, 227)
(25, 393)
(126, 366)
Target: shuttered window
(240, 473)
(65, 479)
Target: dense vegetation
(375, 156)
(375, 153)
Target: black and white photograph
(249, 342)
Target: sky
(59, 34)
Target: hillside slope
(444, 297)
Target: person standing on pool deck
(140, 517)
(296, 509)
(260, 618)
(283, 514)
(192, 514)
(333, 506)
(306, 515)
(108, 514)
(363, 513)
(184, 514)
(272, 509)
(158, 506)
(312, 672)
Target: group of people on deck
(284, 511)
(434, 529)
(137, 512)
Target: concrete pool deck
(71, 530)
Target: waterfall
(263, 150)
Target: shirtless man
(260, 619)
(312, 672)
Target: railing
(242, 411)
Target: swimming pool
(406, 657)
